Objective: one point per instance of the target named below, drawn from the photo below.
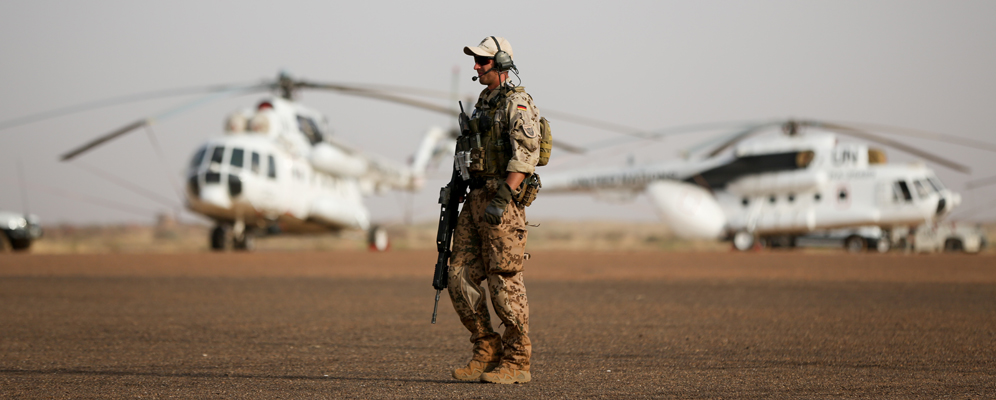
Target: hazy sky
(929, 65)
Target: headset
(503, 61)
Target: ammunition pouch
(461, 162)
(546, 142)
(529, 189)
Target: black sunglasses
(481, 60)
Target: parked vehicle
(928, 238)
(17, 231)
(855, 240)
(946, 237)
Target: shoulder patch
(530, 133)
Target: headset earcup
(502, 61)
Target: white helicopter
(276, 169)
(772, 189)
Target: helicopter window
(236, 160)
(309, 129)
(218, 154)
(905, 190)
(791, 197)
(935, 183)
(271, 167)
(842, 194)
(198, 157)
(744, 201)
(817, 197)
(920, 190)
(254, 163)
(772, 199)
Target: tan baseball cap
(487, 47)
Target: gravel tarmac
(614, 325)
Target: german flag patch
(521, 107)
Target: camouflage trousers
(493, 252)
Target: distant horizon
(916, 64)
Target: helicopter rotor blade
(741, 135)
(169, 113)
(376, 94)
(370, 93)
(560, 115)
(974, 184)
(940, 137)
(105, 138)
(112, 101)
(850, 131)
(673, 131)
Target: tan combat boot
(473, 370)
(506, 374)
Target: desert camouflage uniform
(495, 252)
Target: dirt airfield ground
(605, 324)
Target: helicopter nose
(216, 195)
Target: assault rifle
(450, 197)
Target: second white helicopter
(773, 189)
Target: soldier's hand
(494, 211)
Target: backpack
(546, 142)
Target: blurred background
(917, 64)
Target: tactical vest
(491, 153)
(485, 153)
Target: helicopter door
(265, 171)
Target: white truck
(945, 236)
(17, 231)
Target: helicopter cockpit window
(271, 167)
(236, 160)
(772, 199)
(308, 127)
(254, 163)
(816, 197)
(935, 183)
(198, 157)
(218, 154)
(905, 190)
(745, 201)
(920, 190)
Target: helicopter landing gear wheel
(377, 239)
(883, 245)
(246, 243)
(743, 240)
(5, 245)
(855, 244)
(221, 238)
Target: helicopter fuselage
(776, 186)
(251, 179)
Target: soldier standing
(490, 236)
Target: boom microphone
(490, 70)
